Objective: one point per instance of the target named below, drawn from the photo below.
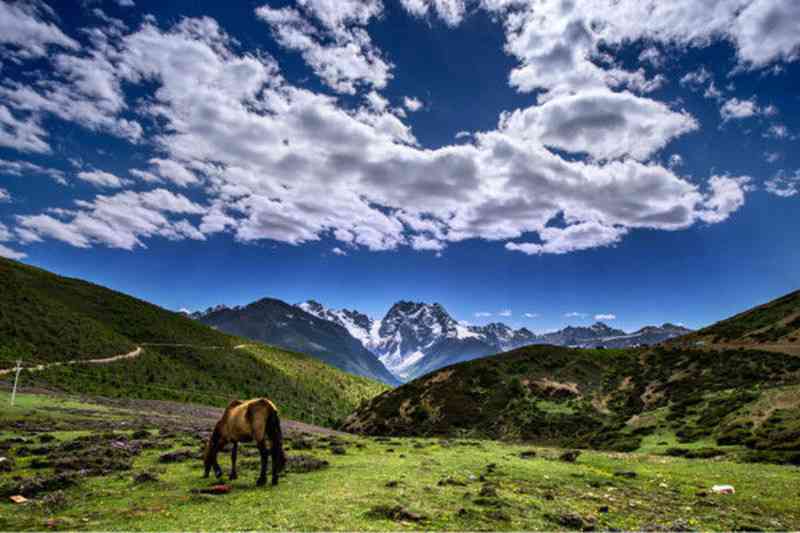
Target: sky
(536, 162)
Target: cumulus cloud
(605, 316)
(5, 251)
(26, 168)
(118, 221)
(531, 315)
(505, 313)
(451, 12)
(734, 108)
(338, 251)
(604, 124)
(331, 38)
(267, 160)
(412, 104)
(23, 134)
(25, 30)
(99, 178)
(783, 184)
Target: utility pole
(18, 369)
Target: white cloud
(24, 28)
(777, 131)
(338, 251)
(604, 124)
(268, 160)
(532, 315)
(505, 313)
(412, 104)
(125, 3)
(575, 314)
(697, 78)
(450, 11)
(772, 157)
(118, 221)
(784, 185)
(9, 253)
(653, 56)
(341, 52)
(675, 161)
(25, 168)
(605, 316)
(23, 134)
(738, 109)
(4, 195)
(99, 178)
(482, 314)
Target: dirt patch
(395, 512)
(38, 485)
(302, 464)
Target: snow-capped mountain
(414, 338)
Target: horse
(244, 421)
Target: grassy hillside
(669, 399)
(46, 318)
(776, 322)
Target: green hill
(663, 399)
(45, 318)
(773, 323)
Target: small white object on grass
(723, 489)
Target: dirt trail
(102, 361)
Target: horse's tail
(275, 435)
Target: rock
(176, 457)
(7, 464)
(570, 456)
(574, 521)
(145, 477)
(54, 500)
(723, 489)
(395, 512)
(527, 454)
(488, 491)
(301, 464)
(452, 482)
(626, 474)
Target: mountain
(280, 324)
(774, 325)
(415, 338)
(45, 319)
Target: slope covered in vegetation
(607, 399)
(45, 318)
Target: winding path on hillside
(102, 361)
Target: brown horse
(242, 422)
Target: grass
(529, 494)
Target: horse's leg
(274, 464)
(233, 460)
(217, 468)
(262, 448)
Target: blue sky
(558, 160)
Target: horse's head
(210, 452)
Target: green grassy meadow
(379, 483)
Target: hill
(607, 399)
(773, 324)
(45, 319)
(281, 324)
